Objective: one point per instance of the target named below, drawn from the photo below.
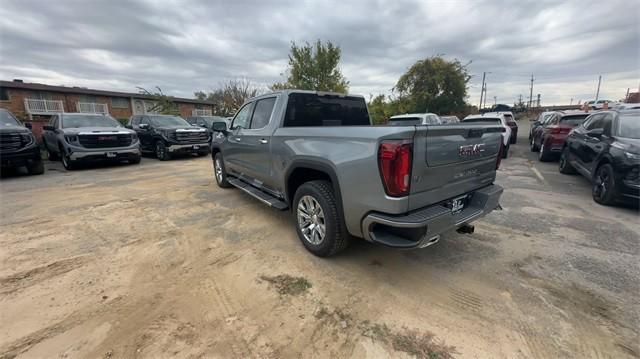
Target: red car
(549, 138)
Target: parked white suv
(415, 119)
(495, 117)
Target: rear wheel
(51, 155)
(162, 153)
(505, 154)
(319, 224)
(544, 154)
(603, 190)
(564, 166)
(534, 147)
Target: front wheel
(603, 190)
(319, 224)
(219, 172)
(534, 147)
(162, 153)
(564, 166)
(67, 162)
(36, 168)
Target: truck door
(233, 148)
(256, 143)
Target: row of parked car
(504, 119)
(76, 138)
(603, 146)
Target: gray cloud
(187, 46)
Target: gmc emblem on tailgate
(471, 150)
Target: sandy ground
(156, 261)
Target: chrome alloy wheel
(311, 220)
(218, 170)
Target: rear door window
(262, 112)
(310, 109)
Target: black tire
(66, 160)
(604, 185)
(533, 146)
(162, 153)
(514, 139)
(335, 237)
(221, 177)
(52, 156)
(505, 154)
(135, 160)
(36, 168)
(564, 166)
(544, 155)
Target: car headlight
(72, 139)
(632, 156)
(134, 137)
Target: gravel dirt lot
(156, 261)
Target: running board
(262, 196)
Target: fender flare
(317, 164)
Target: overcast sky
(188, 46)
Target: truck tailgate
(451, 160)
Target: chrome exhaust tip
(431, 241)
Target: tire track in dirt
(36, 275)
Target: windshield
(483, 119)
(168, 121)
(7, 119)
(76, 121)
(405, 121)
(573, 120)
(629, 125)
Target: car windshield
(7, 119)
(573, 120)
(168, 121)
(77, 121)
(629, 125)
(405, 121)
(483, 119)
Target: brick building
(34, 102)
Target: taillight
(500, 153)
(394, 159)
(555, 130)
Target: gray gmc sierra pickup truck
(318, 154)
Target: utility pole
(482, 90)
(538, 101)
(485, 96)
(627, 95)
(598, 92)
(531, 92)
(520, 100)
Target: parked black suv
(166, 135)
(605, 148)
(18, 146)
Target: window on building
(88, 99)
(119, 102)
(4, 94)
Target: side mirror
(219, 126)
(143, 126)
(595, 133)
(28, 125)
(128, 126)
(48, 128)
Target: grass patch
(412, 342)
(288, 285)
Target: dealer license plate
(111, 154)
(457, 204)
(195, 147)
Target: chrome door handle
(263, 141)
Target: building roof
(86, 91)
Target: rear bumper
(419, 228)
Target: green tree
(314, 67)
(434, 85)
(161, 103)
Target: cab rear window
(404, 121)
(313, 110)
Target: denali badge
(471, 150)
